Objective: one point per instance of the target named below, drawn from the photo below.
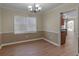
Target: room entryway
(68, 37)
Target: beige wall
(0, 26)
(8, 19)
(0, 20)
(52, 17)
(8, 35)
(52, 22)
(11, 37)
(48, 21)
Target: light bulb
(37, 5)
(29, 6)
(39, 8)
(36, 9)
(31, 9)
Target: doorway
(68, 30)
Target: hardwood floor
(37, 48)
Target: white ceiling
(23, 6)
(71, 14)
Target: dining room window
(24, 24)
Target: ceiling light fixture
(34, 8)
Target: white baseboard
(51, 42)
(21, 41)
(6, 44)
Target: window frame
(17, 32)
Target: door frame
(75, 27)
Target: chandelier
(34, 8)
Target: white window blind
(24, 24)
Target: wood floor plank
(37, 48)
